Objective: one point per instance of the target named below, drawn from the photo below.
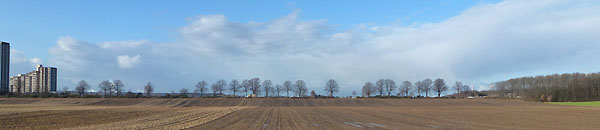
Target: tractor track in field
(283, 114)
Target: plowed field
(259, 114)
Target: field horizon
(264, 102)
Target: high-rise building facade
(41, 80)
(47, 78)
(4, 67)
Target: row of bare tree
(556, 87)
(256, 87)
(387, 87)
(108, 88)
(383, 87)
(252, 86)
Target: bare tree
(19, 90)
(246, 86)
(184, 92)
(201, 87)
(406, 87)
(287, 87)
(389, 86)
(118, 86)
(215, 89)
(267, 85)
(439, 86)
(82, 87)
(221, 84)
(419, 85)
(254, 85)
(111, 89)
(568, 87)
(457, 86)
(300, 88)
(268, 89)
(379, 86)
(368, 89)
(105, 86)
(278, 89)
(353, 93)
(427, 86)
(331, 87)
(148, 89)
(234, 86)
(466, 89)
(65, 89)
(273, 90)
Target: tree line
(387, 87)
(107, 88)
(555, 87)
(256, 87)
(253, 87)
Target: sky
(175, 44)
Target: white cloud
(19, 63)
(17, 56)
(486, 43)
(127, 62)
(123, 44)
(36, 61)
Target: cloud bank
(19, 63)
(127, 62)
(485, 43)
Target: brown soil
(409, 118)
(257, 113)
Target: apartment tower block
(41, 80)
(4, 67)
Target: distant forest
(554, 88)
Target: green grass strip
(594, 103)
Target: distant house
(313, 94)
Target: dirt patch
(106, 117)
(54, 119)
(408, 118)
(181, 118)
(259, 114)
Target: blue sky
(175, 44)
(36, 25)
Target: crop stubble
(258, 114)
